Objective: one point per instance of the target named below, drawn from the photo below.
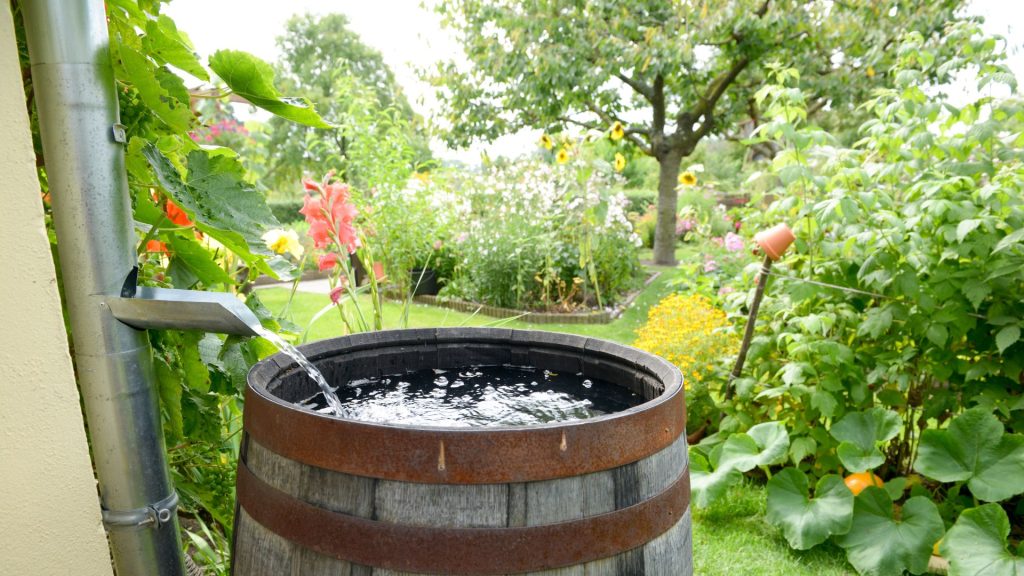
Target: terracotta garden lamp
(775, 240)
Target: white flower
(283, 241)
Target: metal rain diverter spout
(83, 146)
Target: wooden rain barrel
(322, 495)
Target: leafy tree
(328, 63)
(671, 73)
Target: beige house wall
(49, 509)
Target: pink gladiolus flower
(710, 266)
(312, 209)
(310, 185)
(343, 211)
(336, 293)
(330, 214)
(733, 242)
(348, 237)
(327, 261)
(320, 232)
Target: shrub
(905, 360)
(644, 224)
(640, 201)
(286, 211)
(537, 235)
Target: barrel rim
(466, 455)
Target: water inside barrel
(478, 396)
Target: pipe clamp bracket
(155, 515)
(119, 133)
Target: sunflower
(546, 142)
(687, 178)
(617, 131)
(620, 162)
(563, 156)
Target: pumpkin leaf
(976, 545)
(859, 434)
(975, 449)
(880, 545)
(805, 521)
(253, 79)
(763, 445)
(707, 485)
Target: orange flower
(176, 214)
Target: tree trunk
(668, 200)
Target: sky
(410, 38)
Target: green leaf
(708, 486)
(219, 200)
(976, 545)
(966, 227)
(876, 322)
(1009, 240)
(974, 449)
(253, 79)
(763, 445)
(976, 291)
(1008, 336)
(895, 487)
(858, 459)
(197, 375)
(938, 334)
(164, 41)
(801, 448)
(198, 260)
(859, 434)
(169, 388)
(824, 402)
(200, 413)
(807, 522)
(880, 545)
(158, 89)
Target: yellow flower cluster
(688, 331)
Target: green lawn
(733, 538)
(730, 538)
(305, 306)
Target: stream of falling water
(292, 352)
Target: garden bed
(538, 317)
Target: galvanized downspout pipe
(78, 113)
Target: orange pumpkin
(859, 481)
